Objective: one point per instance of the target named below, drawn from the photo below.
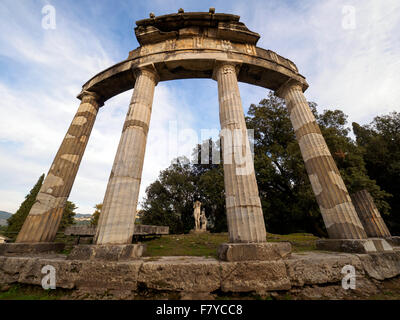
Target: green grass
(206, 244)
(186, 245)
(387, 295)
(19, 292)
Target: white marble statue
(196, 215)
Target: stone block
(185, 274)
(107, 275)
(313, 268)
(382, 265)
(369, 245)
(254, 276)
(30, 248)
(264, 251)
(80, 231)
(107, 252)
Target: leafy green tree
(209, 183)
(169, 200)
(380, 144)
(16, 221)
(288, 202)
(349, 158)
(286, 196)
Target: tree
(68, 215)
(287, 199)
(209, 183)
(16, 221)
(288, 202)
(169, 200)
(380, 145)
(96, 215)
(349, 158)
(286, 196)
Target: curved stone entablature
(187, 45)
(177, 25)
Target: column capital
(227, 66)
(86, 96)
(148, 69)
(282, 91)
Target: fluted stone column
(369, 215)
(243, 206)
(338, 212)
(43, 220)
(117, 218)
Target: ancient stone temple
(196, 45)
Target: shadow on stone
(30, 248)
(107, 252)
(370, 245)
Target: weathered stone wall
(80, 231)
(194, 276)
(142, 229)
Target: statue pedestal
(264, 251)
(193, 231)
(369, 245)
(108, 252)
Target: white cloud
(357, 70)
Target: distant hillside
(82, 219)
(3, 217)
(81, 215)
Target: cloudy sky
(349, 51)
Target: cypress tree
(16, 221)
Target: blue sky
(41, 72)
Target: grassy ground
(390, 291)
(25, 292)
(206, 244)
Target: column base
(370, 245)
(264, 251)
(394, 241)
(30, 248)
(108, 252)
